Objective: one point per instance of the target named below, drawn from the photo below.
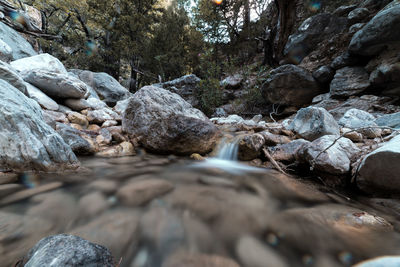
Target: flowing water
(170, 211)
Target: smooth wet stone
(42, 62)
(92, 205)
(67, 250)
(137, 193)
(107, 187)
(26, 141)
(312, 122)
(40, 97)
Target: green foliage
(209, 95)
(253, 97)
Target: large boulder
(20, 48)
(290, 85)
(336, 160)
(311, 32)
(166, 123)
(379, 171)
(68, 250)
(26, 141)
(42, 62)
(389, 120)
(379, 32)
(184, 86)
(312, 122)
(107, 88)
(57, 84)
(8, 74)
(349, 81)
(5, 51)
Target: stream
(171, 211)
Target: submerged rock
(290, 85)
(68, 250)
(166, 123)
(311, 123)
(26, 141)
(379, 171)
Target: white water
(227, 159)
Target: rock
(288, 152)
(109, 89)
(107, 187)
(324, 74)
(343, 10)
(101, 115)
(26, 141)
(311, 123)
(57, 84)
(253, 253)
(109, 123)
(168, 124)
(352, 135)
(94, 128)
(20, 48)
(51, 117)
(198, 260)
(121, 106)
(349, 81)
(250, 146)
(379, 171)
(389, 120)
(385, 261)
(5, 52)
(274, 139)
(92, 204)
(40, 97)
(67, 250)
(95, 103)
(185, 86)
(8, 74)
(137, 193)
(344, 60)
(378, 32)
(232, 82)
(75, 117)
(357, 15)
(355, 119)
(320, 98)
(74, 139)
(77, 104)
(42, 62)
(104, 137)
(336, 160)
(356, 27)
(311, 32)
(290, 85)
(124, 149)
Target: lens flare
(16, 17)
(217, 2)
(314, 6)
(91, 48)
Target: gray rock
(19, 46)
(311, 32)
(74, 139)
(40, 97)
(356, 119)
(358, 15)
(96, 103)
(121, 106)
(57, 84)
(344, 60)
(379, 171)
(356, 27)
(81, 104)
(324, 74)
(311, 123)
(51, 117)
(389, 120)
(385, 261)
(184, 86)
(232, 82)
(8, 74)
(109, 89)
(349, 81)
(378, 32)
(290, 85)
(288, 152)
(167, 123)
(250, 146)
(344, 10)
(68, 250)
(42, 62)
(336, 160)
(101, 115)
(5, 51)
(26, 141)
(220, 112)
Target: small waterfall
(228, 150)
